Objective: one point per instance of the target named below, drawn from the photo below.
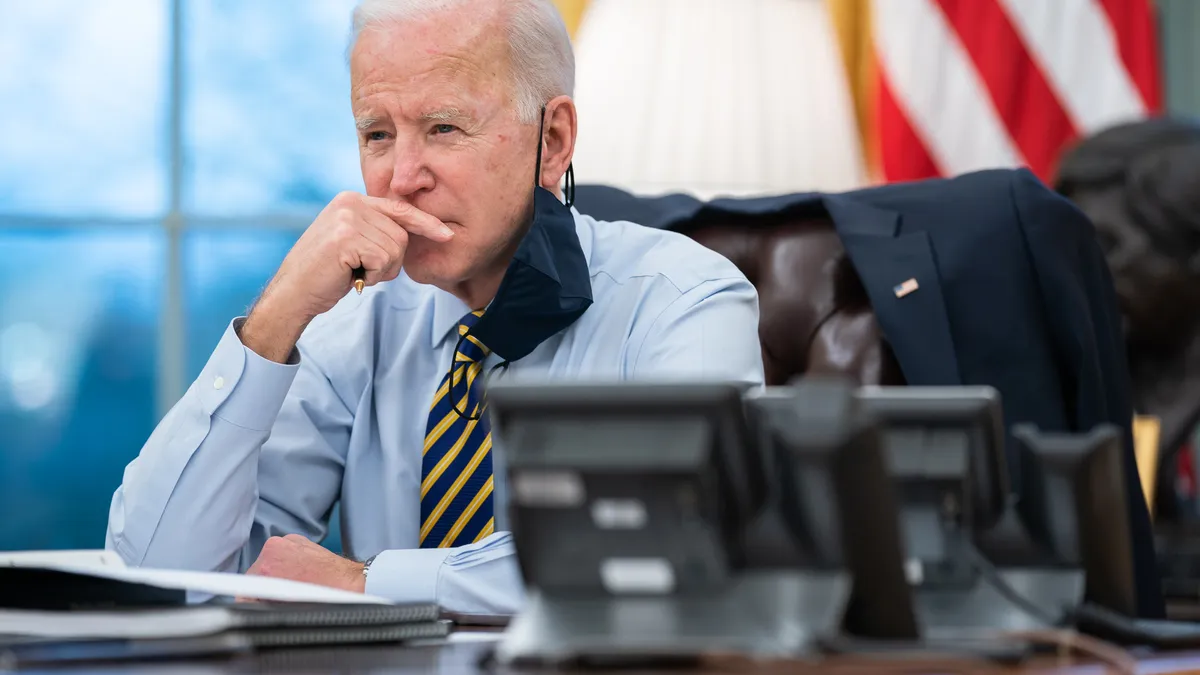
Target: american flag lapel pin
(905, 288)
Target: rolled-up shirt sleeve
(191, 499)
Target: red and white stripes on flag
(963, 85)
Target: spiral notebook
(36, 637)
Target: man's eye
(444, 128)
(377, 136)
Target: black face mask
(547, 285)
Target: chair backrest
(815, 317)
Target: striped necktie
(456, 467)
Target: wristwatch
(367, 565)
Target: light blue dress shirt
(256, 449)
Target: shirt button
(219, 382)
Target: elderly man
(475, 268)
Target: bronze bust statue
(1140, 185)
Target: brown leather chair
(815, 317)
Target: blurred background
(159, 157)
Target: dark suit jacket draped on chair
(1011, 290)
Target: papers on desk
(162, 623)
(30, 638)
(88, 606)
(154, 624)
(200, 586)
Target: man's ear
(558, 141)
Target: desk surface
(469, 657)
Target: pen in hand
(360, 276)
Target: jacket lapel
(901, 278)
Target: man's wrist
(270, 333)
(358, 577)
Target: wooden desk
(463, 658)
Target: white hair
(543, 63)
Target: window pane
(225, 269)
(268, 121)
(82, 112)
(78, 349)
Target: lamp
(714, 97)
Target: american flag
(961, 85)
(906, 287)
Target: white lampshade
(713, 97)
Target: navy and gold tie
(456, 468)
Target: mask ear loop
(503, 366)
(569, 190)
(450, 384)
(487, 379)
(537, 167)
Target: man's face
(437, 128)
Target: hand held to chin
(352, 231)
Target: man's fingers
(379, 230)
(392, 272)
(374, 260)
(410, 218)
(398, 238)
(385, 232)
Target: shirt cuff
(243, 388)
(407, 575)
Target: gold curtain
(572, 12)
(852, 24)
(1146, 433)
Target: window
(139, 214)
(79, 312)
(81, 126)
(267, 120)
(224, 271)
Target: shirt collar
(583, 227)
(448, 310)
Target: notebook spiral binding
(274, 639)
(270, 639)
(332, 616)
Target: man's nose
(410, 173)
